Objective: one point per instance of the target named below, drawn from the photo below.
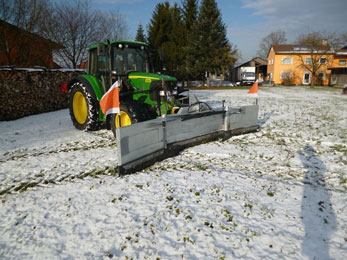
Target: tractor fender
(93, 89)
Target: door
(306, 79)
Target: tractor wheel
(130, 113)
(84, 109)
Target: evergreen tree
(209, 49)
(140, 36)
(165, 36)
(173, 49)
(190, 13)
(158, 32)
(190, 17)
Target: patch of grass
(188, 239)
(188, 217)
(247, 205)
(270, 193)
(208, 224)
(339, 148)
(139, 186)
(201, 167)
(230, 218)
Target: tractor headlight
(162, 93)
(174, 92)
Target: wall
(296, 70)
(270, 64)
(29, 92)
(337, 59)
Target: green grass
(308, 87)
(219, 88)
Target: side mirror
(101, 50)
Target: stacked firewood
(35, 91)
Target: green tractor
(143, 94)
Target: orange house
(24, 49)
(291, 64)
(339, 68)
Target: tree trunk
(313, 80)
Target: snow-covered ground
(279, 193)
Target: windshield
(130, 59)
(248, 74)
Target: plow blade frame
(142, 144)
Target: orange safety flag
(109, 102)
(254, 89)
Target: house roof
(12, 27)
(258, 62)
(342, 52)
(299, 49)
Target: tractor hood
(148, 77)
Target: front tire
(130, 113)
(84, 109)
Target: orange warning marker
(109, 102)
(254, 89)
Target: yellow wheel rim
(124, 119)
(80, 109)
(175, 110)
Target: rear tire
(130, 113)
(84, 109)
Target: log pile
(29, 92)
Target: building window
(322, 75)
(285, 74)
(308, 60)
(323, 60)
(269, 62)
(342, 62)
(272, 60)
(287, 60)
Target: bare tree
(315, 51)
(343, 39)
(278, 37)
(113, 26)
(75, 25)
(25, 14)
(316, 38)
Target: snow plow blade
(142, 144)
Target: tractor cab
(111, 62)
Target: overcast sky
(248, 21)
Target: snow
(279, 193)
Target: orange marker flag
(109, 102)
(254, 89)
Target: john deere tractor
(143, 94)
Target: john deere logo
(148, 80)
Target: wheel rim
(80, 109)
(124, 118)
